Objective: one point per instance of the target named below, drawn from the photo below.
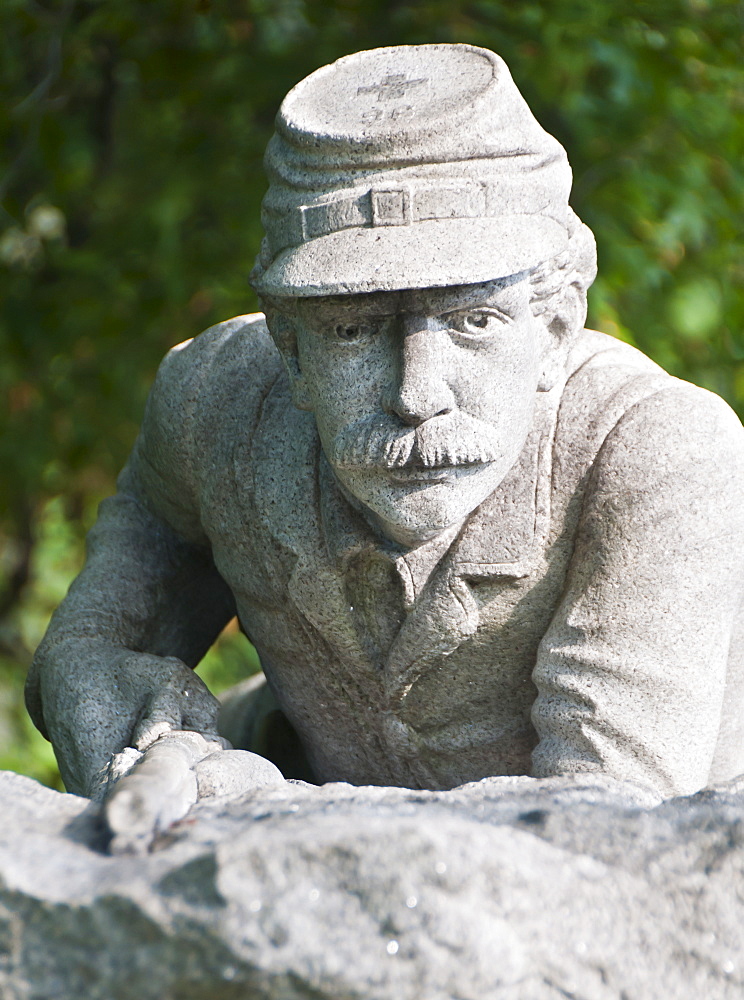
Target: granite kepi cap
(408, 167)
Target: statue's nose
(420, 390)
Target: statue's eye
(476, 323)
(353, 333)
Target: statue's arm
(632, 671)
(114, 668)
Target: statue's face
(423, 399)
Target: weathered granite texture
(511, 889)
(467, 536)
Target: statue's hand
(145, 793)
(97, 699)
(178, 700)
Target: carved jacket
(586, 617)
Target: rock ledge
(510, 889)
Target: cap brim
(432, 253)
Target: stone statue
(467, 537)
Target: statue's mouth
(415, 474)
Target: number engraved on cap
(392, 87)
(373, 115)
(401, 112)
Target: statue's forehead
(415, 300)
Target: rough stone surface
(512, 889)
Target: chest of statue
(439, 691)
(433, 691)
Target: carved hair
(559, 286)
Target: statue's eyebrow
(498, 297)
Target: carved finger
(163, 716)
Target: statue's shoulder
(619, 405)
(610, 377)
(219, 377)
(240, 350)
(597, 359)
(208, 391)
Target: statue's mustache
(451, 439)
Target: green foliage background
(132, 136)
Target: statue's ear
(284, 334)
(553, 357)
(561, 331)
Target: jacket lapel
(285, 472)
(506, 535)
(503, 539)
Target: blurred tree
(133, 132)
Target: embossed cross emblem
(392, 87)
